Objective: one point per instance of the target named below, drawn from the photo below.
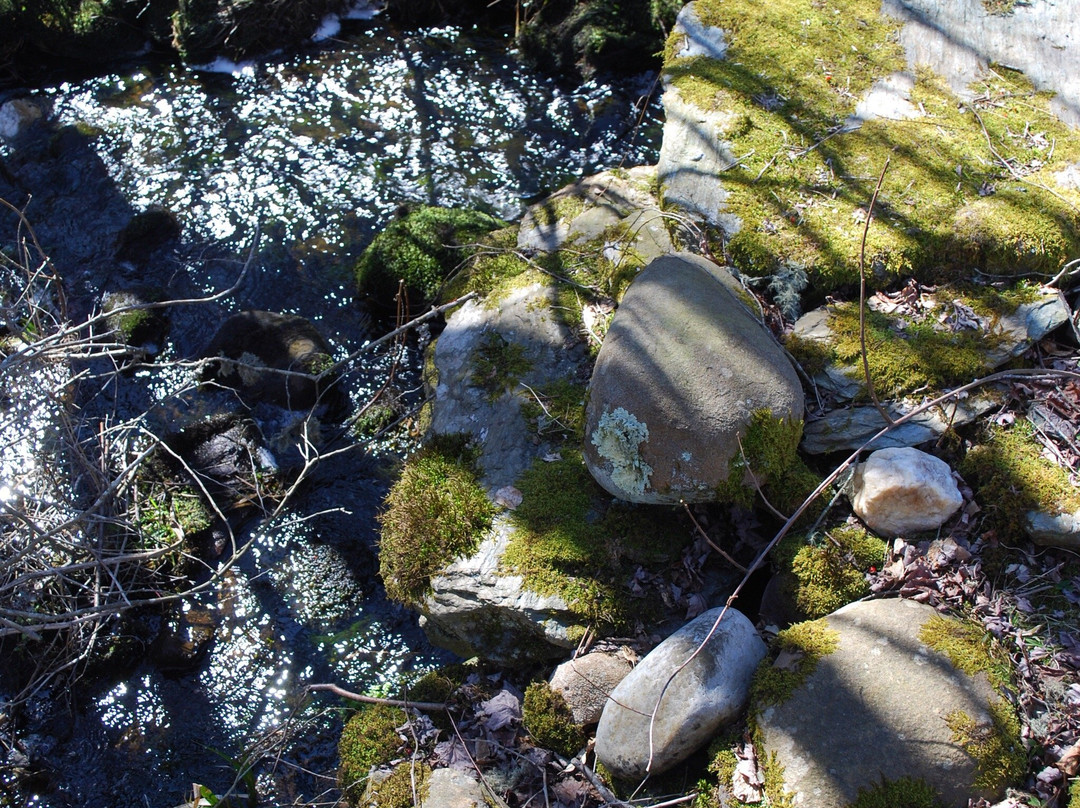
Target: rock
(898, 492)
(618, 207)
(277, 359)
(140, 327)
(683, 371)
(184, 639)
(1020, 329)
(585, 683)
(709, 692)
(876, 709)
(959, 40)
(1053, 530)
(475, 609)
(146, 232)
(889, 98)
(524, 320)
(846, 430)
(16, 116)
(450, 788)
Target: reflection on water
(320, 147)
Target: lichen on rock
(617, 439)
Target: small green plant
(369, 739)
(498, 364)
(550, 722)
(436, 512)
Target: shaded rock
(146, 232)
(961, 39)
(1019, 330)
(450, 788)
(707, 693)
(139, 327)
(525, 322)
(846, 430)
(876, 709)
(16, 116)
(618, 207)
(476, 609)
(682, 372)
(1053, 530)
(585, 683)
(276, 358)
(184, 639)
(903, 491)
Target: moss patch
(572, 541)
(998, 751)
(798, 648)
(405, 787)
(422, 248)
(550, 721)
(557, 411)
(794, 73)
(832, 572)
(1011, 477)
(436, 512)
(769, 456)
(968, 647)
(905, 792)
(497, 364)
(368, 739)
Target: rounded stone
(586, 682)
(682, 373)
(698, 692)
(901, 491)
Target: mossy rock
(436, 512)
(140, 326)
(805, 175)
(550, 721)
(423, 248)
(583, 36)
(369, 739)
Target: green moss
(813, 355)
(905, 792)
(998, 751)
(557, 411)
(368, 739)
(1011, 477)
(831, 573)
(1074, 793)
(792, 77)
(968, 647)
(805, 644)
(574, 542)
(550, 722)
(422, 248)
(498, 364)
(436, 512)
(558, 208)
(169, 512)
(374, 419)
(769, 454)
(904, 359)
(405, 787)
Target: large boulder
(897, 492)
(683, 372)
(701, 683)
(883, 705)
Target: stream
(315, 150)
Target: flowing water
(319, 149)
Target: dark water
(319, 148)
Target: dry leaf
(1069, 762)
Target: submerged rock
(682, 373)
(882, 706)
(275, 358)
(897, 492)
(695, 700)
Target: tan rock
(903, 491)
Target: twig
(712, 544)
(403, 703)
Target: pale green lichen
(617, 438)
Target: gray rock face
(1053, 530)
(704, 695)
(959, 39)
(618, 208)
(524, 319)
(585, 683)
(681, 372)
(450, 788)
(475, 609)
(898, 492)
(876, 709)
